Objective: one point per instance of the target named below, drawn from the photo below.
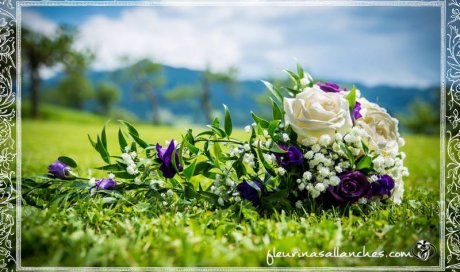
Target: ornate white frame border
(10, 14)
(7, 122)
(452, 134)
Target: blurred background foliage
(145, 91)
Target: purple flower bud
(106, 184)
(383, 186)
(293, 156)
(329, 87)
(165, 155)
(356, 111)
(59, 170)
(249, 192)
(352, 186)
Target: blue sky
(397, 46)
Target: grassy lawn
(141, 232)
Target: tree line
(74, 89)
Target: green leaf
(133, 147)
(217, 150)
(274, 91)
(123, 175)
(132, 130)
(102, 150)
(205, 133)
(173, 160)
(273, 126)
(122, 141)
(253, 135)
(300, 71)
(364, 163)
(206, 151)
(93, 143)
(134, 134)
(276, 110)
(180, 155)
(349, 154)
(203, 167)
(256, 160)
(228, 122)
(219, 132)
(239, 167)
(293, 76)
(266, 165)
(189, 191)
(351, 97)
(209, 196)
(292, 134)
(69, 161)
(216, 122)
(195, 150)
(260, 121)
(138, 140)
(190, 170)
(276, 149)
(175, 183)
(111, 167)
(104, 136)
(189, 137)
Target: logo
(423, 250)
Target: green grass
(45, 141)
(58, 113)
(144, 233)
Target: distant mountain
(395, 99)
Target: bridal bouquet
(324, 145)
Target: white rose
(380, 127)
(314, 112)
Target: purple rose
(249, 192)
(352, 186)
(293, 156)
(356, 111)
(383, 186)
(165, 154)
(329, 87)
(106, 184)
(60, 170)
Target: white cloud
(174, 41)
(334, 43)
(34, 21)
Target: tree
(75, 89)
(203, 90)
(107, 95)
(209, 77)
(423, 118)
(40, 51)
(146, 77)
